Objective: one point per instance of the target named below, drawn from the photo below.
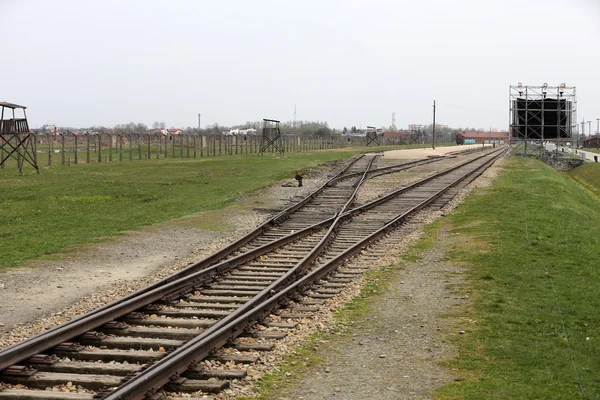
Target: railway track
(153, 338)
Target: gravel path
(393, 350)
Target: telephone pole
(597, 126)
(199, 125)
(433, 142)
(590, 127)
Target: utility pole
(199, 116)
(433, 142)
(597, 126)
(294, 115)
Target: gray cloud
(354, 62)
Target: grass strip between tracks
(531, 247)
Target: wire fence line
(53, 149)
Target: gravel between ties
(278, 196)
(35, 299)
(401, 350)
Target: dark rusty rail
(270, 299)
(195, 274)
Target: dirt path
(392, 351)
(395, 348)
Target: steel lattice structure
(543, 113)
(16, 141)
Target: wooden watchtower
(271, 137)
(16, 141)
(372, 137)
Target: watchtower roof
(11, 105)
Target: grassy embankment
(64, 206)
(531, 246)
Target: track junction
(154, 339)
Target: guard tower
(271, 137)
(372, 138)
(16, 141)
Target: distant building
(250, 131)
(482, 137)
(591, 142)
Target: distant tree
(140, 128)
(159, 125)
(345, 131)
(214, 128)
(353, 129)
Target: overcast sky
(352, 62)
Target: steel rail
(41, 338)
(167, 289)
(399, 167)
(173, 286)
(157, 375)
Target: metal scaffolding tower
(16, 141)
(542, 113)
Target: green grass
(46, 214)
(588, 175)
(532, 248)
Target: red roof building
(486, 137)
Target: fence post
(166, 146)
(88, 149)
(75, 156)
(158, 146)
(149, 150)
(120, 136)
(49, 140)
(130, 146)
(139, 146)
(110, 140)
(187, 146)
(180, 145)
(62, 151)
